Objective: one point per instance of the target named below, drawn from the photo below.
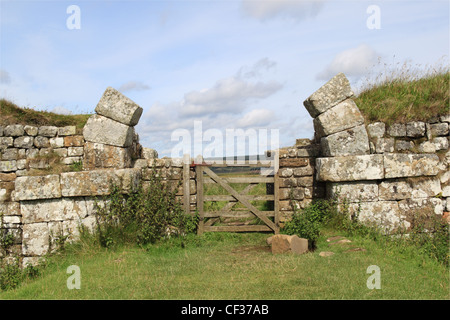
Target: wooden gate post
(199, 177)
(186, 178)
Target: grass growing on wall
(10, 113)
(405, 93)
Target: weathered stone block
(283, 243)
(440, 143)
(293, 162)
(354, 141)
(24, 142)
(31, 130)
(383, 145)
(35, 239)
(296, 193)
(415, 129)
(6, 142)
(399, 165)
(395, 189)
(439, 129)
(73, 141)
(8, 166)
(41, 142)
(38, 187)
(75, 151)
(104, 130)
(116, 106)
(98, 182)
(376, 129)
(353, 191)
(385, 215)
(67, 131)
(397, 130)
(10, 154)
(344, 115)
(330, 94)
(13, 130)
(56, 142)
(98, 155)
(55, 210)
(350, 168)
(421, 206)
(303, 171)
(403, 145)
(148, 153)
(426, 147)
(48, 131)
(7, 177)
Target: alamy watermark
(74, 281)
(374, 20)
(224, 146)
(374, 281)
(74, 20)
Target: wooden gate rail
(233, 199)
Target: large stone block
(99, 155)
(421, 207)
(330, 94)
(353, 191)
(55, 210)
(344, 115)
(35, 239)
(350, 168)
(37, 187)
(399, 165)
(283, 243)
(104, 130)
(385, 215)
(116, 106)
(98, 182)
(354, 141)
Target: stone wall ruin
(386, 173)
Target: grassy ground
(406, 94)
(238, 266)
(13, 114)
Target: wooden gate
(206, 175)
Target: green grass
(10, 113)
(405, 94)
(237, 266)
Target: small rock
(340, 242)
(356, 250)
(334, 238)
(326, 253)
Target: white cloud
(256, 70)
(133, 85)
(256, 118)
(296, 10)
(354, 62)
(227, 95)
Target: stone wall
(50, 176)
(387, 173)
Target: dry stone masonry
(386, 173)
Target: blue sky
(229, 63)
